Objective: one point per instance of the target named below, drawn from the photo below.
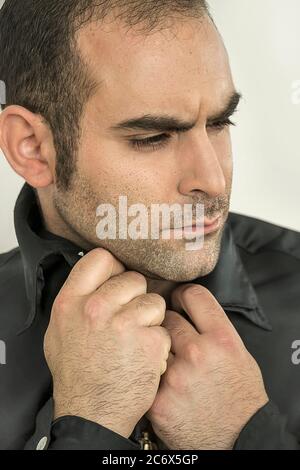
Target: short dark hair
(43, 70)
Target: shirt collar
(36, 249)
(228, 282)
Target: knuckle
(105, 255)
(154, 301)
(166, 343)
(161, 336)
(137, 277)
(172, 377)
(157, 300)
(61, 304)
(192, 352)
(95, 307)
(176, 380)
(225, 339)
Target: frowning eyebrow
(169, 124)
(228, 111)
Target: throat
(163, 288)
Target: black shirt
(256, 281)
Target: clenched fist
(212, 385)
(105, 346)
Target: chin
(172, 262)
(183, 272)
(188, 276)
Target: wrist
(104, 419)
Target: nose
(201, 170)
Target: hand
(104, 345)
(212, 385)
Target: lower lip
(197, 230)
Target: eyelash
(158, 141)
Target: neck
(54, 224)
(163, 288)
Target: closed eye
(161, 140)
(152, 143)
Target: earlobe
(24, 140)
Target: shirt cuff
(73, 433)
(266, 430)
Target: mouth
(209, 226)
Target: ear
(27, 143)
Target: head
(120, 99)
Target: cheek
(112, 171)
(223, 149)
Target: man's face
(181, 72)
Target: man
(135, 343)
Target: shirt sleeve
(74, 433)
(267, 430)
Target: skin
(212, 385)
(184, 72)
(105, 345)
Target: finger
(167, 361)
(145, 310)
(171, 359)
(181, 331)
(91, 271)
(162, 339)
(201, 306)
(121, 289)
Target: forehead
(184, 66)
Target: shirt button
(42, 443)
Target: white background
(263, 40)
